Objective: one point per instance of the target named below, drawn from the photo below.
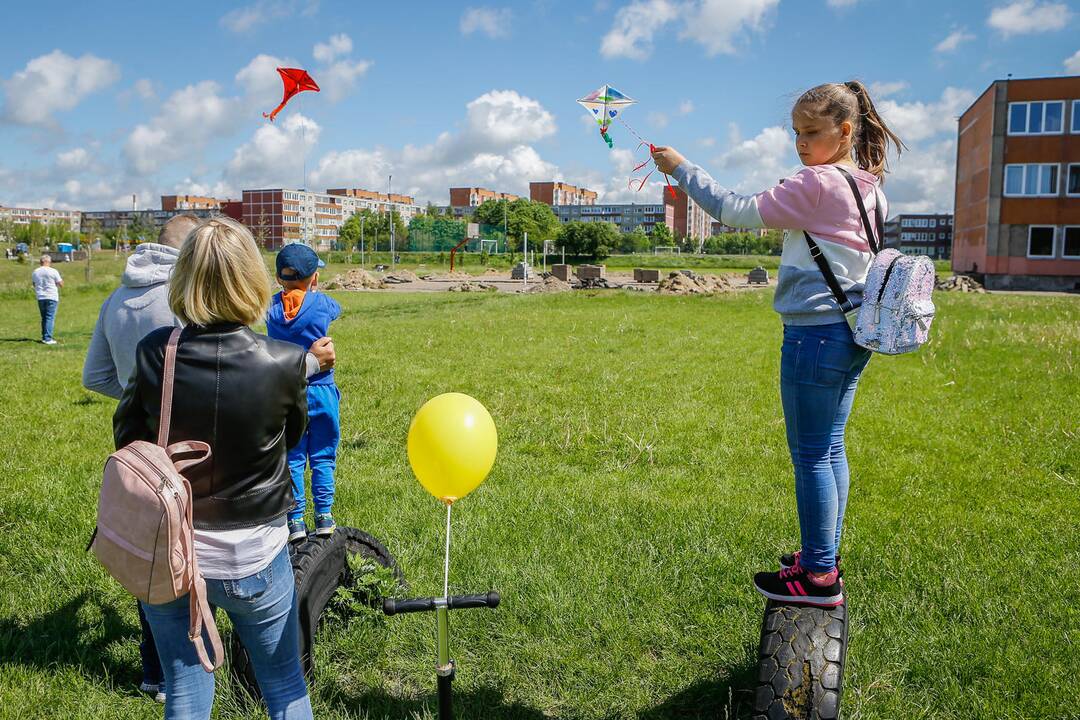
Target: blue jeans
(819, 371)
(47, 308)
(317, 447)
(264, 616)
(151, 665)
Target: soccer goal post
(667, 250)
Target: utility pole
(362, 218)
(390, 210)
(505, 241)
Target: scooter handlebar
(399, 606)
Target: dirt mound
(548, 284)
(959, 283)
(457, 275)
(597, 284)
(473, 287)
(355, 279)
(678, 283)
(494, 271)
(400, 277)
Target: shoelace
(795, 569)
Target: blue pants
(151, 664)
(819, 370)
(318, 447)
(264, 616)
(47, 308)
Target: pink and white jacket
(817, 200)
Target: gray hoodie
(138, 306)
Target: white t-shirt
(235, 554)
(45, 279)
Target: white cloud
(923, 179)
(245, 19)
(188, 120)
(337, 46)
(493, 22)
(1028, 16)
(841, 3)
(338, 80)
(881, 90)
(632, 33)
(1072, 64)
(763, 160)
(658, 120)
(260, 80)
(686, 107)
(53, 83)
(144, 88)
(717, 24)
(274, 157)
(917, 121)
(73, 160)
(707, 142)
(953, 40)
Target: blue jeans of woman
(47, 308)
(819, 371)
(264, 616)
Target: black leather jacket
(243, 394)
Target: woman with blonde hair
(243, 394)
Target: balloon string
(446, 564)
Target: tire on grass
(320, 567)
(801, 662)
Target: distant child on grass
(301, 315)
(843, 143)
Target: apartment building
(560, 193)
(1017, 212)
(280, 216)
(463, 200)
(150, 220)
(190, 202)
(691, 222)
(719, 228)
(921, 234)
(626, 216)
(44, 216)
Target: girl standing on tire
(838, 134)
(244, 395)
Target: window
(1072, 184)
(1076, 116)
(1071, 247)
(1036, 118)
(1032, 180)
(1041, 241)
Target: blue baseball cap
(298, 261)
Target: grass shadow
(727, 696)
(78, 633)
(20, 340)
(486, 703)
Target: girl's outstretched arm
(787, 205)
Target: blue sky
(101, 101)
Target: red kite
(295, 81)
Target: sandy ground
(501, 282)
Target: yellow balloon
(452, 445)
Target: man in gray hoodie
(139, 306)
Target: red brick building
(190, 202)
(464, 199)
(691, 222)
(1017, 212)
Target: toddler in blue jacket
(301, 315)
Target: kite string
(652, 147)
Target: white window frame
(1027, 119)
(1074, 121)
(1053, 243)
(1023, 180)
(1068, 171)
(1065, 229)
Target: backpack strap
(201, 616)
(168, 373)
(871, 240)
(830, 277)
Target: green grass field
(642, 478)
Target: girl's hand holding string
(667, 159)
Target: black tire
(320, 566)
(801, 662)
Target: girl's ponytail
(872, 135)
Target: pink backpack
(145, 535)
